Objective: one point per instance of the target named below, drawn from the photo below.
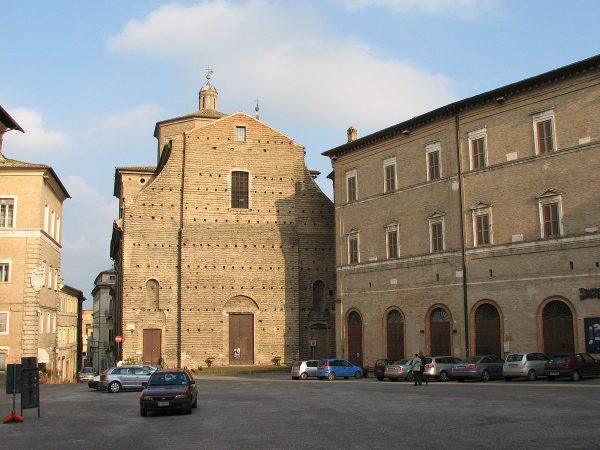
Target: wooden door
(395, 335)
(355, 354)
(241, 339)
(439, 333)
(152, 345)
(558, 328)
(487, 331)
(319, 333)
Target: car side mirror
(144, 383)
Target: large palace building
(474, 228)
(225, 250)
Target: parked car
(94, 383)
(399, 370)
(124, 377)
(168, 390)
(333, 368)
(86, 374)
(528, 365)
(305, 369)
(439, 367)
(484, 368)
(379, 368)
(572, 365)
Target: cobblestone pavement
(272, 411)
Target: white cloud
(37, 139)
(456, 8)
(142, 114)
(286, 56)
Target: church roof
(8, 163)
(8, 121)
(200, 114)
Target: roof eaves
(8, 121)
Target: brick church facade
(224, 249)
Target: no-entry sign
(118, 339)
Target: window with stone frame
(478, 149)
(391, 239)
(3, 322)
(152, 294)
(434, 168)
(551, 216)
(437, 235)
(389, 171)
(7, 212)
(239, 190)
(4, 272)
(543, 131)
(351, 186)
(353, 256)
(482, 226)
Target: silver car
(524, 365)
(439, 367)
(301, 370)
(399, 370)
(483, 368)
(125, 377)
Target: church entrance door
(241, 339)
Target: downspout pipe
(462, 234)
(180, 252)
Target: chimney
(352, 133)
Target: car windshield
(168, 379)
(472, 359)
(88, 370)
(560, 359)
(513, 358)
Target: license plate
(163, 403)
(461, 367)
(554, 374)
(513, 365)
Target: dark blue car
(332, 368)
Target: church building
(225, 249)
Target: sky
(88, 80)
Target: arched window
(439, 333)
(355, 338)
(317, 296)
(152, 296)
(395, 335)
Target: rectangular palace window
(353, 249)
(240, 134)
(4, 272)
(437, 237)
(478, 151)
(551, 219)
(433, 164)
(544, 136)
(482, 229)
(351, 186)
(7, 212)
(392, 242)
(3, 322)
(389, 167)
(239, 190)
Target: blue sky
(88, 80)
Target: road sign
(30, 389)
(13, 378)
(313, 342)
(118, 339)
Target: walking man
(416, 368)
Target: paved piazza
(271, 411)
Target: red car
(572, 365)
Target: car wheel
(357, 374)
(331, 376)
(143, 411)
(114, 387)
(485, 376)
(303, 376)
(443, 375)
(575, 376)
(379, 378)
(531, 376)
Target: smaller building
(67, 334)
(103, 350)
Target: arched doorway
(557, 328)
(355, 354)
(440, 340)
(395, 335)
(487, 330)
